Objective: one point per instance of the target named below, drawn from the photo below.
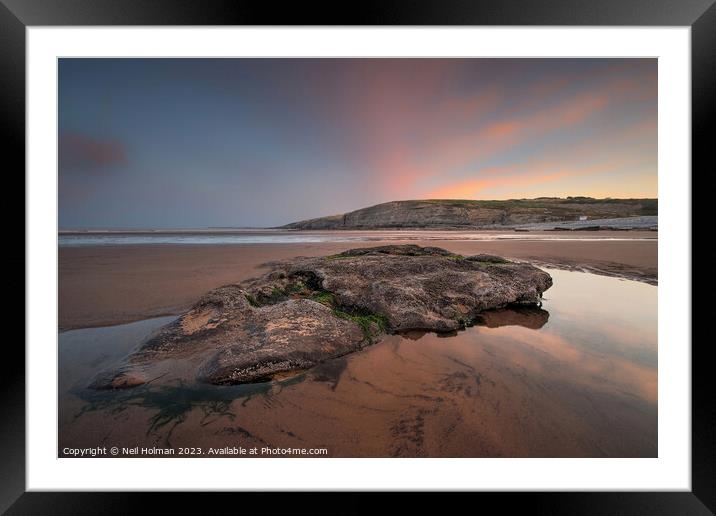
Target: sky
(192, 143)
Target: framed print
(436, 248)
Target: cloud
(85, 153)
(502, 135)
(577, 162)
(472, 188)
(401, 170)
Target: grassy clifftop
(455, 213)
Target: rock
(644, 223)
(307, 310)
(487, 258)
(396, 250)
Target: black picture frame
(16, 15)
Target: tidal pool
(574, 378)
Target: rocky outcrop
(442, 213)
(307, 310)
(648, 223)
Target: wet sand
(106, 285)
(576, 378)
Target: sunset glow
(261, 142)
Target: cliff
(443, 213)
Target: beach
(576, 377)
(354, 258)
(103, 285)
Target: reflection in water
(527, 316)
(576, 377)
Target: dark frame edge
(12, 131)
(371, 12)
(703, 113)
(702, 499)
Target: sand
(578, 378)
(106, 285)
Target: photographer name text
(226, 451)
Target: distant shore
(115, 284)
(483, 214)
(643, 223)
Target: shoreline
(110, 285)
(386, 229)
(612, 270)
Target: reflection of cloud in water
(605, 316)
(552, 355)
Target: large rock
(307, 310)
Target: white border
(671, 471)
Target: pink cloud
(80, 151)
